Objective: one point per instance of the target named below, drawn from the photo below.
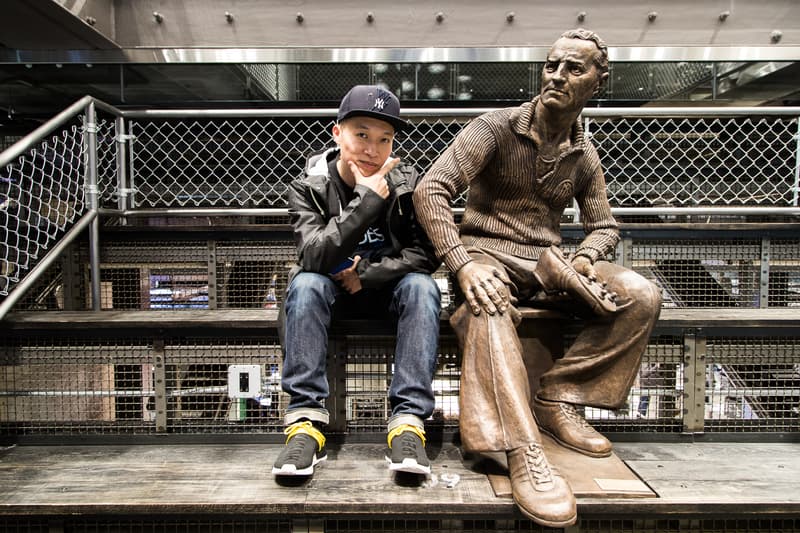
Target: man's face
(365, 141)
(570, 76)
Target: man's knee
(309, 286)
(417, 287)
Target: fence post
(763, 299)
(694, 387)
(123, 191)
(91, 193)
(796, 194)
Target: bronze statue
(523, 166)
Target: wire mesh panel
(649, 161)
(75, 386)
(178, 525)
(684, 161)
(107, 185)
(752, 384)
(153, 274)
(91, 387)
(702, 273)
(584, 525)
(655, 402)
(233, 387)
(398, 525)
(253, 274)
(220, 163)
(41, 195)
(369, 367)
(784, 273)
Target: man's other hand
(348, 278)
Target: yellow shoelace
(307, 428)
(406, 427)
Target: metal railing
(93, 159)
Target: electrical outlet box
(244, 381)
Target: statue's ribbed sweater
(513, 206)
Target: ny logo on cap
(379, 103)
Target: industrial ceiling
(244, 53)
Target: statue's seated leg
(495, 415)
(562, 421)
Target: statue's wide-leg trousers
(597, 370)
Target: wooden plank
(733, 472)
(147, 319)
(268, 318)
(735, 479)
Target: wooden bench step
(687, 479)
(672, 318)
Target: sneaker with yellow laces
(304, 449)
(407, 450)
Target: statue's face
(570, 76)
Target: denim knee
(309, 289)
(418, 289)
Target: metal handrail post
(796, 194)
(123, 191)
(92, 194)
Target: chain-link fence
(42, 195)
(244, 159)
(650, 161)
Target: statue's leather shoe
(538, 490)
(555, 273)
(561, 421)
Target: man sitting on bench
(361, 254)
(523, 166)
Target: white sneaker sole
(408, 465)
(291, 470)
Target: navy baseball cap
(372, 101)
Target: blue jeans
(312, 299)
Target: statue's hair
(601, 60)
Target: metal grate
(219, 384)
(655, 402)
(605, 525)
(74, 386)
(178, 525)
(474, 525)
(752, 383)
(784, 274)
(175, 274)
(213, 386)
(702, 273)
(253, 274)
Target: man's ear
(601, 82)
(336, 131)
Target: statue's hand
(483, 288)
(583, 265)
